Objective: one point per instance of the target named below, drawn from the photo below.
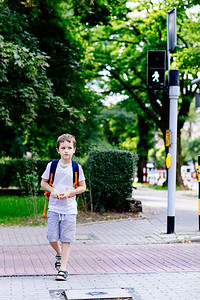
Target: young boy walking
(62, 210)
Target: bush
(10, 168)
(110, 178)
(5, 174)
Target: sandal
(58, 263)
(62, 275)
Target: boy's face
(66, 150)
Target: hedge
(110, 178)
(10, 168)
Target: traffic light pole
(168, 65)
(171, 36)
(199, 186)
(174, 91)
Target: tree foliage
(119, 127)
(42, 82)
(119, 53)
(54, 52)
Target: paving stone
(136, 254)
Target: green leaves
(23, 76)
(119, 56)
(42, 78)
(111, 174)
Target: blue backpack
(54, 163)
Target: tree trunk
(143, 146)
(142, 162)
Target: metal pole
(199, 186)
(168, 49)
(154, 146)
(168, 66)
(154, 155)
(171, 37)
(174, 91)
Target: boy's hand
(65, 195)
(55, 194)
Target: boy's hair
(66, 137)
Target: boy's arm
(80, 189)
(47, 187)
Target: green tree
(43, 90)
(24, 86)
(119, 52)
(190, 144)
(119, 127)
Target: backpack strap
(53, 167)
(75, 169)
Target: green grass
(155, 187)
(18, 211)
(15, 210)
(158, 187)
(25, 221)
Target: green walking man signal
(156, 64)
(155, 76)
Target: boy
(62, 210)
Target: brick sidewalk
(87, 259)
(132, 245)
(133, 253)
(143, 286)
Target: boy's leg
(56, 247)
(65, 255)
(53, 233)
(67, 235)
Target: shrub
(29, 181)
(10, 168)
(110, 178)
(5, 174)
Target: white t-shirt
(63, 181)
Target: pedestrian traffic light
(156, 69)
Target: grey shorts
(61, 226)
